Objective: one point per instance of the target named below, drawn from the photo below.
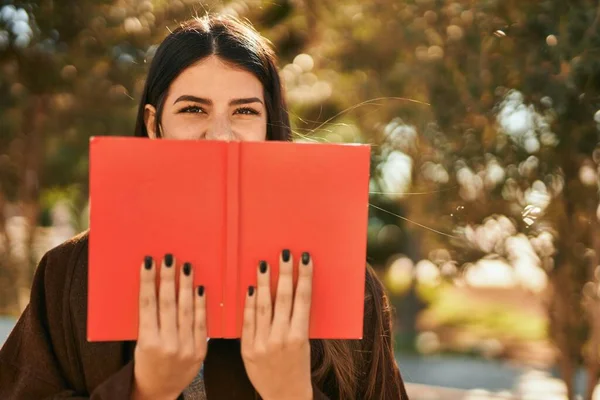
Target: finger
(167, 310)
(285, 293)
(303, 299)
(148, 323)
(185, 307)
(249, 326)
(264, 305)
(200, 329)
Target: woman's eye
(247, 111)
(192, 109)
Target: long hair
(366, 368)
(234, 42)
(343, 369)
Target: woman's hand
(171, 344)
(275, 346)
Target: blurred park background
(484, 121)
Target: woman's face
(212, 100)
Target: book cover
(223, 206)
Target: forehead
(211, 77)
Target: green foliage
(486, 320)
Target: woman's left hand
(275, 345)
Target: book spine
(231, 273)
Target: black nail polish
(285, 255)
(148, 262)
(201, 290)
(168, 260)
(251, 291)
(187, 269)
(262, 266)
(305, 258)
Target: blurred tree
(70, 70)
(511, 130)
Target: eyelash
(195, 109)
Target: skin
(236, 110)
(275, 345)
(172, 336)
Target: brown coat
(47, 355)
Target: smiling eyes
(198, 110)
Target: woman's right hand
(172, 343)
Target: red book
(223, 206)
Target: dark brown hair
(361, 369)
(233, 42)
(343, 369)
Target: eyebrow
(201, 100)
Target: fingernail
(262, 267)
(187, 269)
(168, 260)
(305, 258)
(201, 290)
(148, 262)
(285, 255)
(251, 291)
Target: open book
(223, 206)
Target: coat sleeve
(42, 357)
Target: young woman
(213, 78)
